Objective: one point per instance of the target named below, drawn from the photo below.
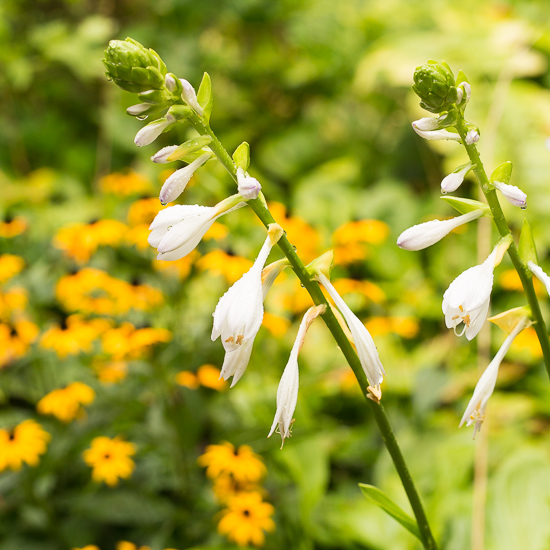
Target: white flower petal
(540, 275)
(190, 97)
(173, 187)
(514, 195)
(433, 135)
(454, 180)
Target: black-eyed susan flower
(110, 459)
(110, 372)
(229, 266)
(67, 403)
(187, 379)
(24, 444)
(12, 301)
(124, 184)
(127, 342)
(209, 377)
(15, 340)
(10, 265)
(351, 239)
(12, 227)
(243, 464)
(127, 545)
(178, 268)
(246, 519)
(87, 547)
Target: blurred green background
(321, 91)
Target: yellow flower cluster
(66, 404)
(128, 342)
(94, 291)
(24, 444)
(140, 215)
(237, 474)
(229, 266)
(12, 301)
(79, 241)
(15, 340)
(10, 266)
(351, 240)
(207, 376)
(110, 459)
(12, 227)
(124, 184)
(121, 545)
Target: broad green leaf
(241, 156)
(527, 248)
(467, 205)
(204, 96)
(376, 496)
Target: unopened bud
(435, 85)
(190, 97)
(249, 188)
(152, 131)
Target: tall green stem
(316, 294)
(504, 230)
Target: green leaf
(204, 96)
(191, 149)
(241, 156)
(527, 248)
(376, 496)
(461, 77)
(467, 205)
(502, 173)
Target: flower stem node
(321, 265)
(249, 187)
(434, 84)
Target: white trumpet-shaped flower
(475, 411)
(190, 97)
(514, 195)
(239, 313)
(287, 393)
(152, 131)
(364, 344)
(468, 296)
(454, 180)
(425, 234)
(249, 187)
(427, 128)
(177, 230)
(538, 272)
(236, 361)
(174, 186)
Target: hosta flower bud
(133, 67)
(190, 97)
(472, 136)
(434, 84)
(249, 188)
(152, 131)
(454, 180)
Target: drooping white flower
(468, 296)
(174, 186)
(177, 230)
(249, 187)
(138, 109)
(454, 180)
(287, 392)
(514, 195)
(190, 97)
(239, 313)
(427, 128)
(475, 411)
(540, 275)
(152, 131)
(364, 344)
(425, 234)
(162, 156)
(472, 136)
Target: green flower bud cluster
(434, 84)
(136, 69)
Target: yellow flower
(217, 232)
(243, 464)
(87, 547)
(13, 300)
(509, 280)
(138, 236)
(209, 377)
(180, 268)
(527, 340)
(12, 227)
(10, 265)
(110, 372)
(246, 518)
(366, 288)
(229, 266)
(15, 340)
(75, 337)
(127, 342)
(110, 459)
(25, 443)
(66, 404)
(362, 231)
(125, 184)
(277, 325)
(146, 297)
(187, 379)
(125, 545)
(225, 488)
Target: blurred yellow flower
(243, 464)
(110, 459)
(527, 340)
(217, 232)
(179, 268)
(87, 547)
(246, 518)
(406, 327)
(110, 372)
(24, 444)
(79, 241)
(127, 342)
(188, 379)
(125, 545)
(15, 340)
(10, 265)
(124, 184)
(146, 297)
(12, 227)
(350, 240)
(209, 377)
(369, 290)
(509, 280)
(13, 300)
(229, 266)
(66, 404)
(277, 325)
(140, 215)
(76, 336)
(301, 235)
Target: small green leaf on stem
(527, 248)
(376, 496)
(241, 156)
(467, 205)
(322, 264)
(502, 173)
(461, 77)
(204, 96)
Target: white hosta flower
(472, 136)
(468, 296)
(540, 275)
(364, 344)
(461, 89)
(138, 109)
(177, 230)
(190, 97)
(427, 128)
(170, 82)
(454, 180)
(514, 195)
(425, 234)
(173, 187)
(249, 187)
(239, 313)
(475, 411)
(152, 131)
(163, 155)
(287, 392)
